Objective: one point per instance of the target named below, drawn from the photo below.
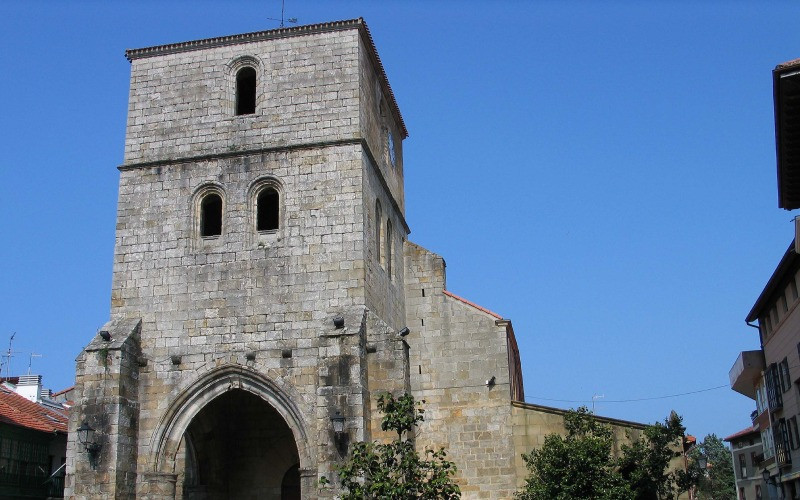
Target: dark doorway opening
(239, 447)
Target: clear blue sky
(602, 173)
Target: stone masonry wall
(454, 349)
(377, 119)
(204, 301)
(106, 392)
(182, 104)
(384, 284)
(257, 303)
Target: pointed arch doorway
(239, 446)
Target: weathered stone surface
(199, 311)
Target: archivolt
(169, 432)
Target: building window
(378, 230)
(780, 436)
(268, 209)
(742, 465)
(758, 492)
(741, 494)
(794, 437)
(774, 396)
(390, 148)
(767, 444)
(246, 91)
(786, 382)
(389, 248)
(211, 215)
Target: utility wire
(630, 400)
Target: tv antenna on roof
(8, 355)
(30, 360)
(292, 20)
(595, 397)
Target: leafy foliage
(581, 465)
(644, 465)
(395, 470)
(578, 465)
(717, 481)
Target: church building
(265, 292)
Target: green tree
(578, 465)
(395, 470)
(717, 481)
(644, 464)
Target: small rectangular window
(742, 466)
(268, 210)
(786, 382)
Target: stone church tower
(264, 292)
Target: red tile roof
(476, 306)
(19, 411)
(63, 391)
(743, 432)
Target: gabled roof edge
(786, 264)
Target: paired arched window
(211, 215)
(268, 209)
(264, 214)
(246, 91)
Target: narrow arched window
(378, 231)
(246, 91)
(389, 248)
(268, 210)
(211, 215)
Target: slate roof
(19, 411)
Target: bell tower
(258, 269)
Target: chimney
(30, 387)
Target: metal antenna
(292, 20)
(30, 360)
(9, 354)
(595, 398)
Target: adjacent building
(33, 440)
(771, 375)
(747, 456)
